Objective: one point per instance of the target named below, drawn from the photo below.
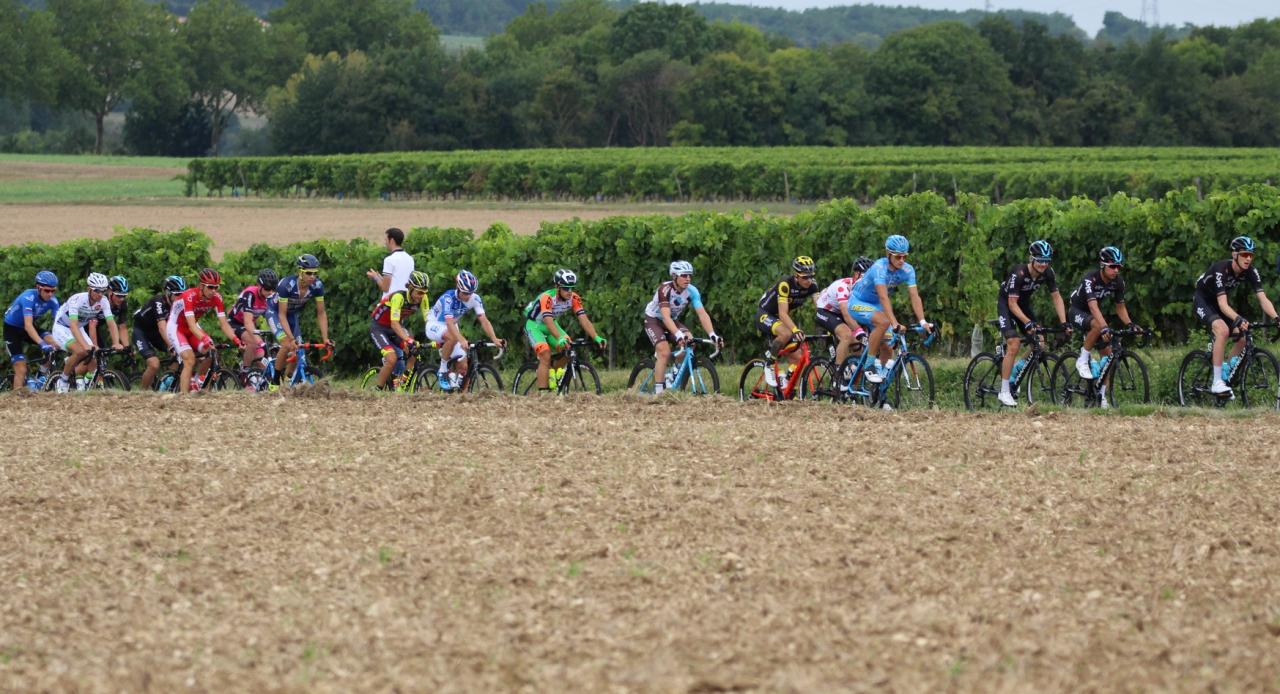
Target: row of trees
(335, 76)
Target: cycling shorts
(63, 336)
(535, 331)
(147, 344)
(273, 322)
(1207, 313)
(385, 339)
(656, 330)
(1008, 325)
(16, 341)
(768, 324)
(829, 320)
(863, 311)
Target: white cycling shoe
(1006, 399)
(1084, 368)
(1219, 387)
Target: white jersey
(835, 294)
(81, 309)
(398, 266)
(449, 306)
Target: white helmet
(681, 267)
(98, 281)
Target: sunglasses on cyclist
(43, 288)
(1245, 255)
(686, 276)
(214, 287)
(310, 273)
(898, 256)
(1042, 261)
(1115, 266)
(804, 277)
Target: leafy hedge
(800, 173)
(960, 250)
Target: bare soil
(24, 170)
(236, 225)
(335, 541)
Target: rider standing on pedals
(1014, 308)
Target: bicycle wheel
(255, 380)
(1038, 380)
(166, 382)
(703, 380)
(1195, 375)
(1069, 390)
(425, 380)
(1129, 382)
(982, 382)
(526, 378)
(913, 384)
(641, 379)
(582, 379)
(111, 379)
(484, 377)
(222, 379)
(370, 379)
(7, 383)
(820, 381)
(751, 384)
(1258, 382)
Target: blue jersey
(864, 290)
(29, 303)
(450, 306)
(289, 292)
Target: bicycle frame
(683, 361)
(854, 388)
(300, 373)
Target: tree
(676, 30)
(940, 84)
(732, 102)
(107, 43)
(343, 26)
(641, 96)
(332, 105)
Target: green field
(41, 178)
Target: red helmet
(210, 276)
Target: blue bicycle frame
(685, 371)
(876, 393)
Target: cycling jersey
(29, 303)
(291, 293)
(1021, 284)
(190, 303)
(396, 307)
(1093, 288)
(253, 301)
(786, 291)
(79, 308)
(864, 291)
(1220, 279)
(450, 306)
(835, 294)
(550, 304)
(155, 309)
(677, 301)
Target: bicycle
(216, 377)
(1124, 370)
(685, 371)
(44, 371)
(754, 384)
(101, 377)
(1034, 372)
(303, 372)
(407, 380)
(576, 375)
(908, 378)
(1254, 372)
(479, 374)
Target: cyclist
(833, 310)
(150, 331)
(1014, 308)
(70, 335)
(118, 295)
(1212, 308)
(20, 323)
(292, 294)
(253, 303)
(442, 327)
(387, 325)
(773, 317)
(184, 331)
(662, 317)
(1086, 311)
(869, 301)
(541, 329)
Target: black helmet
(1110, 255)
(268, 279)
(1041, 251)
(862, 264)
(1242, 243)
(174, 284)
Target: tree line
(337, 76)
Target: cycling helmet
(118, 284)
(417, 280)
(1041, 251)
(802, 265)
(306, 261)
(44, 278)
(210, 276)
(174, 284)
(681, 267)
(566, 278)
(862, 264)
(1110, 255)
(897, 244)
(98, 281)
(268, 279)
(466, 282)
(1242, 243)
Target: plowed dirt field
(332, 541)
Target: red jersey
(190, 303)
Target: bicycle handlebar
(703, 341)
(328, 349)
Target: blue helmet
(1041, 251)
(466, 282)
(118, 284)
(45, 278)
(174, 284)
(1110, 255)
(897, 244)
(1242, 243)
(306, 261)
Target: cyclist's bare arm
(1225, 309)
(487, 327)
(917, 304)
(1267, 308)
(886, 305)
(1059, 306)
(587, 326)
(667, 320)
(1122, 311)
(322, 320)
(705, 319)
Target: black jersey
(786, 290)
(1092, 287)
(153, 309)
(1220, 279)
(1020, 283)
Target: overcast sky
(1086, 13)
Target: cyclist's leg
(439, 333)
(15, 342)
(834, 324)
(1083, 322)
(1218, 327)
(657, 334)
(142, 345)
(536, 333)
(386, 347)
(187, 357)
